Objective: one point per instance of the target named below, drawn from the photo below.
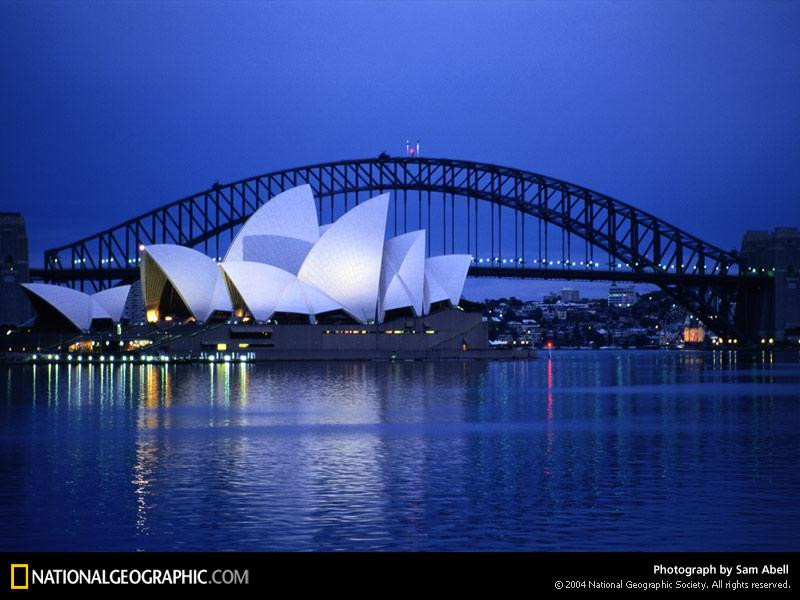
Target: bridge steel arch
(635, 245)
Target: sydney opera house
(290, 288)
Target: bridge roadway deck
(577, 274)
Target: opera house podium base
(447, 334)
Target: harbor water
(579, 450)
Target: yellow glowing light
(222, 346)
(152, 315)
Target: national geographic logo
(19, 576)
(22, 576)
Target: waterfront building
(288, 289)
(283, 263)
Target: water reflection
(549, 444)
(640, 450)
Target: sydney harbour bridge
(516, 224)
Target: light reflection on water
(583, 451)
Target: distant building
(570, 295)
(550, 298)
(621, 297)
(14, 306)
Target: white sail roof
(403, 273)
(76, 306)
(345, 263)
(433, 292)
(286, 253)
(112, 300)
(305, 298)
(291, 214)
(260, 286)
(283, 261)
(221, 299)
(445, 277)
(195, 277)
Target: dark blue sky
(688, 110)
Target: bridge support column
(755, 308)
(773, 312)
